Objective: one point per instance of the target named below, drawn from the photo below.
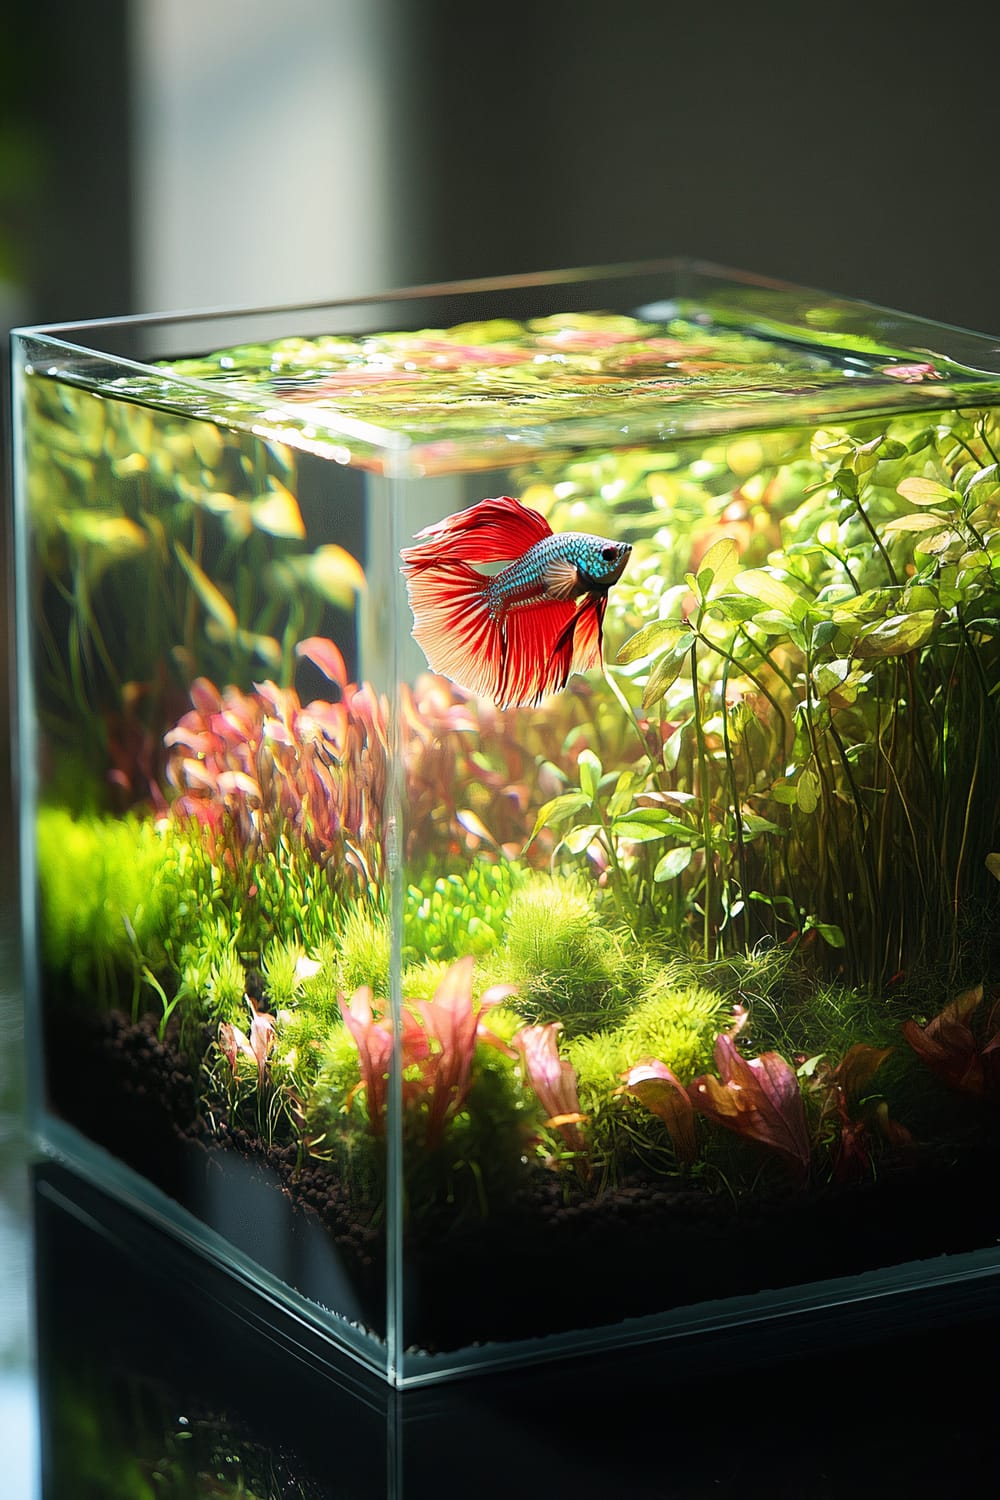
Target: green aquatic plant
(674, 1023)
(464, 1115)
(808, 725)
(129, 502)
(448, 916)
(566, 964)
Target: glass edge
(882, 1286)
(661, 424)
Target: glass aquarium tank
(511, 845)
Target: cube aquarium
(510, 828)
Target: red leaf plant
(259, 1045)
(663, 1094)
(438, 1040)
(757, 1097)
(956, 1051)
(553, 1079)
(839, 1087)
(251, 766)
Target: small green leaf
(636, 833)
(578, 840)
(993, 864)
(591, 771)
(807, 790)
(718, 567)
(920, 521)
(215, 602)
(664, 674)
(828, 931)
(278, 513)
(897, 635)
(824, 633)
(621, 798)
(558, 809)
(925, 491)
(673, 863)
(847, 482)
(753, 825)
(989, 476)
(771, 592)
(661, 634)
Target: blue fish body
(558, 567)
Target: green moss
(567, 966)
(675, 1024)
(678, 1025)
(109, 892)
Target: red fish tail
(496, 530)
(544, 645)
(453, 624)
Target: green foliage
(478, 1159)
(816, 694)
(567, 966)
(363, 949)
(448, 916)
(108, 897)
(677, 1025)
(225, 987)
(130, 503)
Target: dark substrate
(547, 1264)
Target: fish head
(600, 563)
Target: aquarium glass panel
(511, 847)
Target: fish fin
(453, 625)
(578, 647)
(530, 668)
(496, 530)
(562, 578)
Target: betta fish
(517, 634)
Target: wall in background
(268, 150)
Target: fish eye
(609, 553)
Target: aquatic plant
(965, 1055)
(553, 1080)
(466, 1119)
(438, 1040)
(565, 963)
(850, 1123)
(757, 1098)
(251, 767)
(128, 503)
(448, 916)
(823, 714)
(661, 1091)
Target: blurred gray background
(164, 154)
